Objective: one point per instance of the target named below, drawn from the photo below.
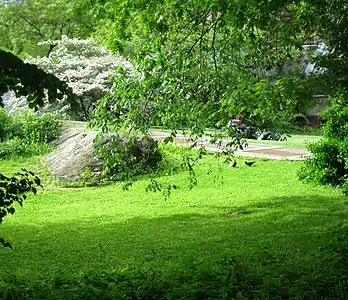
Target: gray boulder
(76, 152)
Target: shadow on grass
(286, 246)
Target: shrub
(5, 122)
(20, 147)
(26, 133)
(126, 157)
(8, 126)
(14, 147)
(327, 166)
(36, 128)
(329, 163)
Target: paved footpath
(252, 150)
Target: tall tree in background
(85, 66)
(23, 24)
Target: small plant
(18, 147)
(39, 128)
(14, 147)
(5, 122)
(88, 177)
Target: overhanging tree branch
(213, 47)
(204, 33)
(32, 25)
(28, 80)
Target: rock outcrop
(75, 153)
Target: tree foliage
(329, 163)
(201, 61)
(27, 79)
(23, 24)
(85, 67)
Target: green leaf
(37, 181)
(33, 189)
(11, 210)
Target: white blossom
(85, 66)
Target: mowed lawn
(299, 141)
(293, 141)
(281, 230)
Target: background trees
(195, 63)
(85, 66)
(204, 60)
(23, 24)
(26, 79)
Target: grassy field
(299, 141)
(294, 141)
(285, 233)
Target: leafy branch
(204, 33)
(13, 190)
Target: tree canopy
(86, 67)
(204, 60)
(195, 62)
(23, 24)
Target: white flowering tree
(85, 66)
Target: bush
(26, 133)
(127, 157)
(19, 147)
(327, 166)
(13, 147)
(5, 124)
(329, 163)
(37, 128)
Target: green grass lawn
(283, 232)
(294, 141)
(299, 141)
